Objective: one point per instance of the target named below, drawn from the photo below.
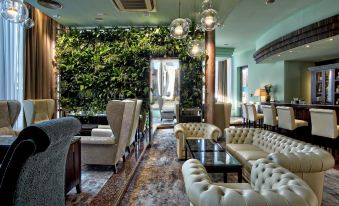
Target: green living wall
(99, 65)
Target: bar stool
(244, 114)
(287, 120)
(324, 125)
(253, 116)
(270, 116)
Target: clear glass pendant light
(196, 48)
(29, 23)
(209, 17)
(179, 27)
(14, 10)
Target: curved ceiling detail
(314, 32)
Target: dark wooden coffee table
(214, 157)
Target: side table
(73, 166)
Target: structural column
(209, 76)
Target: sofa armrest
(179, 131)
(240, 135)
(101, 132)
(303, 161)
(213, 131)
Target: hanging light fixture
(14, 10)
(179, 27)
(29, 23)
(209, 16)
(196, 48)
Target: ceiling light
(269, 1)
(290, 51)
(196, 48)
(14, 10)
(279, 55)
(29, 23)
(56, 16)
(209, 17)
(179, 27)
(307, 46)
(50, 4)
(331, 39)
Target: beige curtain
(40, 70)
(222, 81)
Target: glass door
(328, 82)
(319, 86)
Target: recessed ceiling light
(56, 16)
(331, 39)
(269, 1)
(279, 55)
(50, 4)
(291, 51)
(99, 19)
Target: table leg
(240, 176)
(225, 177)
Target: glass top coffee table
(214, 157)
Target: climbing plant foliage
(99, 65)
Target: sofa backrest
(324, 123)
(270, 115)
(194, 129)
(286, 118)
(270, 185)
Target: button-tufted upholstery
(270, 184)
(305, 160)
(198, 130)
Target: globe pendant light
(196, 48)
(209, 17)
(29, 23)
(179, 27)
(14, 10)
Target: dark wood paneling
(317, 31)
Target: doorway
(165, 91)
(244, 84)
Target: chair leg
(123, 158)
(115, 169)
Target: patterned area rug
(93, 178)
(158, 180)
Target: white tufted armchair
(199, 130)
(305, 160)
(270, 185)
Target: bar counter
(301, 111)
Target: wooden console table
(73, 166)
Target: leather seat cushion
(252, 155)
(260, 116)
(240, 186)
(301, 123)
(242, 147)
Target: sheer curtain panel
(11, 63)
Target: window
(11, 63)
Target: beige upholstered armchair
(199, 130)
(9, 111)
(38, 110)
(108, 147)
(270, 184)
(222, 115)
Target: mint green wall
(258, 76)
(289, 79)
(298, 80)
(323, 9)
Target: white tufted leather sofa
(270, 185)
(305, 160)
(198, 130)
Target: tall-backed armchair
(135, 122)
(38, 110)
(108, 147)
(9, 111)
(222, 115)
(33, 170)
